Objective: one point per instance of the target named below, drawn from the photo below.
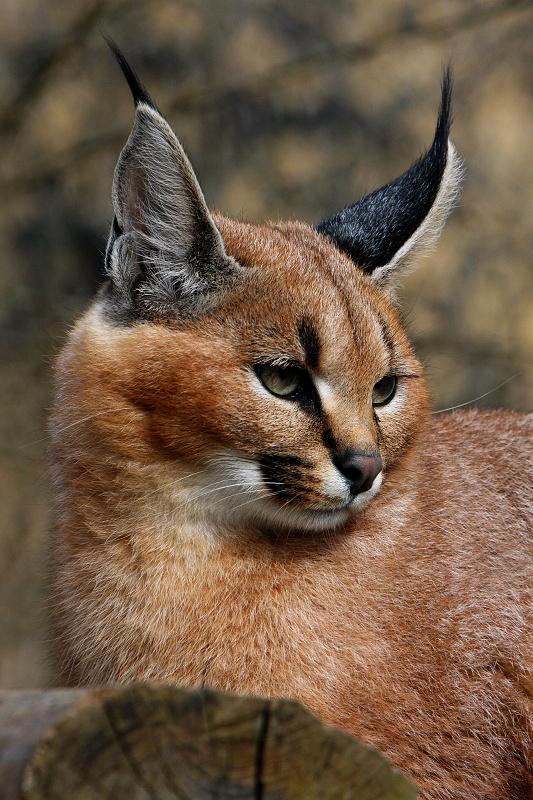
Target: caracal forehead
(305, 288)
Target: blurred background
(287, 109)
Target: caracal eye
(284, 382)
(384, 390)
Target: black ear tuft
(445, 119)
(380, 229)
(139, 93)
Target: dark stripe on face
(282, 474)
(388, 338)
(329, 440)
(310, 403)
(310, 342)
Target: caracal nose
(360, 469)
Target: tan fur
(408, 625)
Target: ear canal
(165, 253)
(386, 228)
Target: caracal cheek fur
(211, 531)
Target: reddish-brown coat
(410, 627)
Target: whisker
(222, 500)
(480, 397)
(172, 483)
(218, 489)
(287, 503)
(78, 422)
(247, 502)
(259, 492)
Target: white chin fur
(362, 500)
(241, 497)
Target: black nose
(360, 469)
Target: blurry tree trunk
(144, 742)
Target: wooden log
(144, 742)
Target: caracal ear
(165, 254)
(386, 229)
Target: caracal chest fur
(252, 493)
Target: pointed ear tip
(447, 77)
(445, 118)
(139, 93)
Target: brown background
(286, 109)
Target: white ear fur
(425, 237)
(165, 241)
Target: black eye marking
(310, 403)
(310, 342)
(329, 440)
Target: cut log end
(144, 742)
